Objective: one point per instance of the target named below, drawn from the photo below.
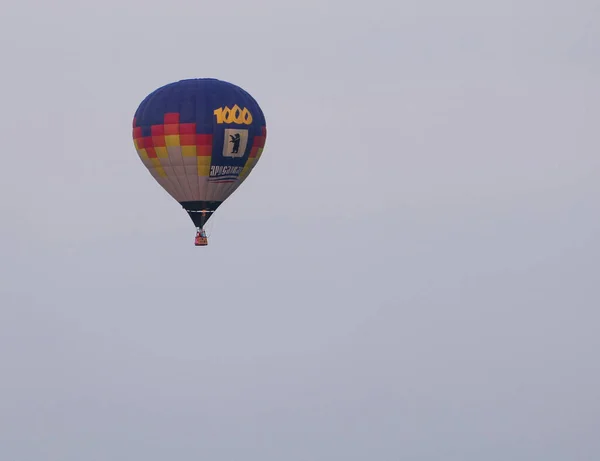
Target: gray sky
(410, 272)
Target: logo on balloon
(235, 142)
(233, 115)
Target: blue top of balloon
(195, 100)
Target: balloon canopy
(200, 139)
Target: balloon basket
(201, 240)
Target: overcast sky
(409, 273)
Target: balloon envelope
(199, 138)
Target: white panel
(176, 159)
(191, 176)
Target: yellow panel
(157, 166)
(188, 151)
(162, 152)
(172, 140)
(142, 152)
(203, 165)
(203, 170)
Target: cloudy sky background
(410, 272)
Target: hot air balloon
(200, 139)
